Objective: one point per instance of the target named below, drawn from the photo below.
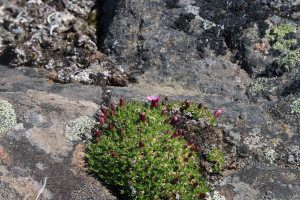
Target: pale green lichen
(295, 106)
(288, 58)
(79, 128)
(271, 156)
(258, 85)
(8, 118)
(214, 196)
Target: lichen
(258, 85)
(215, 196)
(271, 156)
(282, 39)
(77, 129)
(295, 106)
(8, 118)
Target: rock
(38, 149)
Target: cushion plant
(137, 149)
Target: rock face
(196, 43)
(42, 145)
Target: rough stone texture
(37, 147)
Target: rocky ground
(61, 59)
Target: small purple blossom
(187, 104)
(174, 120)
(217, 113)
(98, 133)
(122, 102)
(200, 105)
(143, 117)
(102, 121)
(164, 112)
(103, 110)
(154, 101)
(112, 107)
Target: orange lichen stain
(3, 155)
(286, 130)
(261, 47)
(275, 140)
(52, 78)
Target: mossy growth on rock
(77, 129)
(137, 149)
(8, 118)
(295, 106)
(282, 38)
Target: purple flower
(102, 121)
(104, 116)
(98, 133)
(194, 148)
(103, 110)
(164, 112)
(187, 104)
(174, 120)
(143, 117)
(191, 142)
(141, 144)
(203, 195)
(217, 113)
(154, 101)
(122, 102)
(200, 105)
(112, 113)
(111, 127)
(112, 107)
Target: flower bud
(154, 101)
(122, 102)
(217, 113)
(114, 154)
(200, 105)
(203, 195)
(194, 148)
(191, 142)
(164, 112)
(112, 107)
(104, 116)
(143, 117)
(180, 132)
(174, 120)
(104, 111)
(102, 121)
(111, 127)
(112, 113)
(98, 133)
(187, 104)
(141, 144)
(190, 155)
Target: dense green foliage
(138, 151)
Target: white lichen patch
(295, 106)
(271, 156)
(8, 118)
(215, 196)
(79, 127)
